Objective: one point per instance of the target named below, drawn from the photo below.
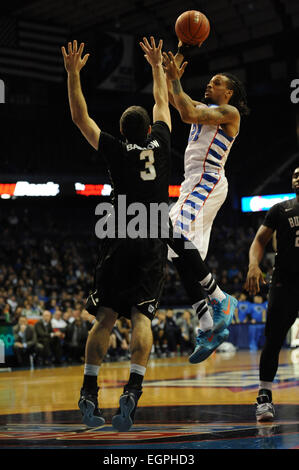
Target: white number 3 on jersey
(150, 172)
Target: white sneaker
(264, 409)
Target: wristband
(187, 49)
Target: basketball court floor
(183, 406)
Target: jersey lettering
(294, 221)
(150, 172)
(194, 132)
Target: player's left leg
(194, 221)
(149, 273)
(96, 348)
(141, 344)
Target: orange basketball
(192, 27)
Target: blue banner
(263, 203)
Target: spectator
(258, 312)
(75, 314)
(52, 306)
(122, 346)
(5, 311)
(158, 329)
(112, 350)
(24, 341)
(256, 329)
(187, 335)
(75, 339)
(172, 333)
(12, 302)
(59, 325)
(47, 263)
(57, 322)
(15, 317)
(48, 341)
(243, 311)
(124, 327)
(232, 272)
(27, 310)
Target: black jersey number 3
(150, 172)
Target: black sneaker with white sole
(264, 408)
(88, 404)
(124, 418)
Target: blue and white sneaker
(206, 343)
(223, 312)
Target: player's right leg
(279, 320)
(95, 351)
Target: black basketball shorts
(283, 305)
(129, 273)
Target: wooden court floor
(183, 406)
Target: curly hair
(239, 97)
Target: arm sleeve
(161, 130)
(271, 219)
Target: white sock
(205, 319)
(266, 385)
(206, 322)
(90, 369)
(210, 286)
(137, 369)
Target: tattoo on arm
(176, 86)
(224, 111)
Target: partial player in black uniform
(130, 271)
(283, 306)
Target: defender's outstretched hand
(152, 53)
(73, 61)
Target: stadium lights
(263, 203)
(105, 189)
(24, 188)
(2, 91)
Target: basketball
(192, 27)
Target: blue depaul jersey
(257, 312)
(244, 309)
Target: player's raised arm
(223, 114)
(179, 60)
(256, 253)
(73, 63)
(153, 55)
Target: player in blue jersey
(256, 328)
(215, 123)
(243, 309)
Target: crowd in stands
(46, 273)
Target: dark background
(255, 40)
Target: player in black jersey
(130, 271)
(283, 306)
